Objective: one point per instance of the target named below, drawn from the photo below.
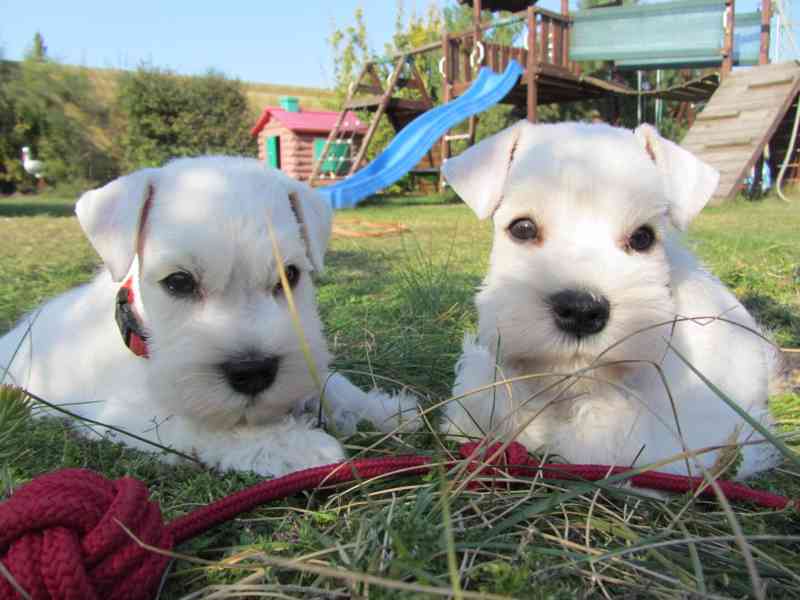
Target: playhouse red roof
(317, 121)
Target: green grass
(397, 307)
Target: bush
(169, 116)
(50, 108)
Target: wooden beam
(727, 48)
(766, 18)
(315, 167)
(793, 96)
(477, 39)
(530, 70)
(398, 68)
(446, 91)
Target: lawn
(395, 310)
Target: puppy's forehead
(222, 188)
(213, 214)
(580, 169)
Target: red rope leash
(60, 537)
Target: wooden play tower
(551, 49)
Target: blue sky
(265, 41)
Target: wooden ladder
(379, 100)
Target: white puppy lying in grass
(187, 338)
(588, 291)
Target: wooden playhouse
(292, 139)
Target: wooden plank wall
(740, 119)
(297, 149)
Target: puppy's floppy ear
(111, 217)
(688, 181)
(478, 175)
(315, 217)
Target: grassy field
(396, 307)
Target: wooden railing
(550, 46)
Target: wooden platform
(741, 118)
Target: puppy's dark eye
(292, 276)
(180, 284)
(523, 230)
(642, 239)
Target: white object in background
(31, 166)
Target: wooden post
(476, 39)
(727, 49)
(531, 66)
(446, 83)
(766, 18)
(565, 35)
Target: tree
(351, 51)
(51, 108)
(168, 116)
(38, 50)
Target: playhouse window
(337, 159)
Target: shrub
(168, 116)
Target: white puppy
(196, 349)
(586, 278)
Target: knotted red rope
(61, 536)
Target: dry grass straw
(599, 537)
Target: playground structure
(291, 138)
(551, 49)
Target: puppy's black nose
(250, 374)
(579, 312)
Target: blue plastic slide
(415, 139)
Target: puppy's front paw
(348, 405)
(399, 412)
(322, 449)
(273, 451)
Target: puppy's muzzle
(250, 374)
(579, 312)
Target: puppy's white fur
(588, 188)
(207, 217)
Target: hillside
(259, 95)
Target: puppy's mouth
(250, 373)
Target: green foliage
(168, 116)
(14, 412)
(38, 50)
(351, 51)
(49, 108)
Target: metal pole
(659, 102)
(639, 98)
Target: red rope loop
(485, 459)
(60, 538)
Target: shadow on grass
(444, 199)
(355, 272)
(774, 315)
(21, 206)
